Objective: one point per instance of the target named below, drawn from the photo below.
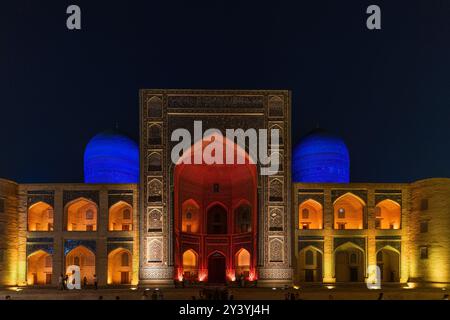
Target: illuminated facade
(218, 223)
(401, 228)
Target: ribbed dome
(321, 157)
(111, 157)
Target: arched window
(310, 215)
(39, 268)
(190, 264)
(81, 215)
(349, 212)
(242, 263)
(242, 216)
(387, 215)
(120, 266)
(190, 217)
(217, 220)
(85, 259)
(120, 218)
(40, 217)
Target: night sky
(385, 92)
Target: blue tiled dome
(321, 157)
(111, 157)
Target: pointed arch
(120, 266)
(310, 215)
(349, 212)
(349, 263)
(310, 264)
(190, 264)
(217, 218)
(81, 215)
(190, 216)
(154, 162)
(388, 214)
(242, 217)
(85, 259)
(242, 263)
(120, 217)
(388, 260)
(39, 268)
(40, 217)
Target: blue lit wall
(111, 158)
(321, 157)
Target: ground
(307, 293)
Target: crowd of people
(214, 294)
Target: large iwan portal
(215, 220)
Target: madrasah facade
(140, 219)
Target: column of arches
(349, 261)
(80, 215)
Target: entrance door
(216, 268)
(353, 274)
(48, 278)
(124, 278)
(309, 275)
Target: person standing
(95, 282)
(61, 282)
(66, 278)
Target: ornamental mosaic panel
(280, 168)
(304, 195)
(316, 242)
(154, 222)
(214, 101)
(394, 197)
(275, 190)
(41, 196)
(279, 126)
(276, 106)
(278, 273)
(111, 246)
(154, 190)
(155, 251)
(154, 162)
(70, 195)
(114, 198)
(335, 194)
(394, 244)
(157, 273)
(276, 250)
(359, 241)
(275, 219)
(36, 244)
(154, 107)
(154, 134)
(69, 245)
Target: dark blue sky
(387, 93)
